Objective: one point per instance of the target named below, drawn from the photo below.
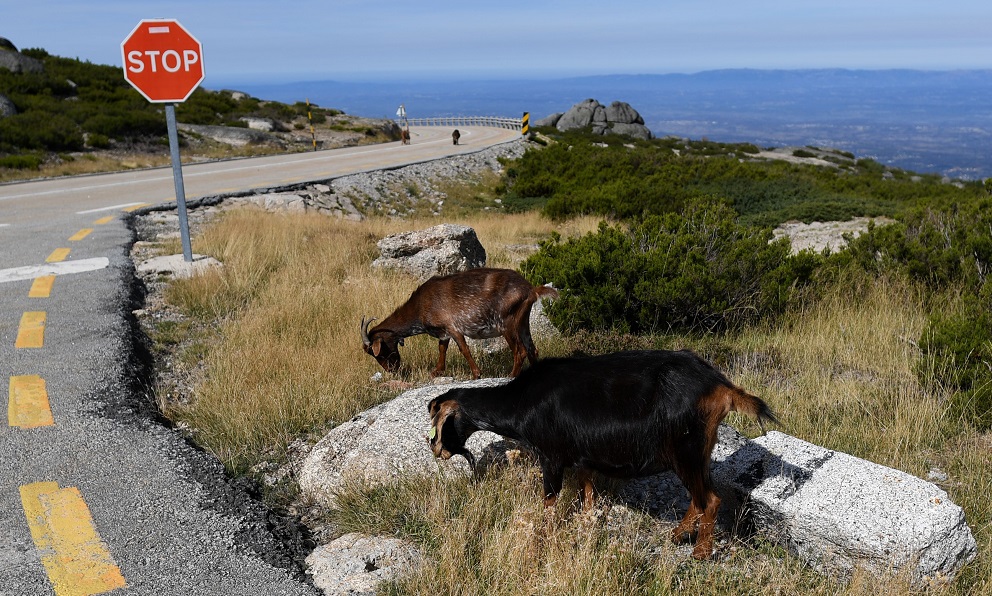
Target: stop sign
(162, 60)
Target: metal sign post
(164, 62)
(177, 177)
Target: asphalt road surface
(95, 495)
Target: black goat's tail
(752, 405)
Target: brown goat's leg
(463, 348)
(442, 355)
(518, 354)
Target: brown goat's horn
(365, 331)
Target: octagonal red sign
(162, 60)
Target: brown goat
(478, 303)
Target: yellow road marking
(136, 207)
(80, 234)
(104, 220)
(42, 287)
(27, 404)
(58, 255)
(31, 333)
(77, 561)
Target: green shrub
(690, 272)
(21, 162)
(36, 130)
(98, 141)
(958, 347)
(939, 247)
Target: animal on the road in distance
(455, 136)
(405, 136)
(479, 304)
(625, 415)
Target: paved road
(94, 495)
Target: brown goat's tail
(744, 402)
(544, 292)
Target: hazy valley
(926, 121)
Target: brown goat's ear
(377, 346)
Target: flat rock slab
(837, 511)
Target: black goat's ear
(376, 347)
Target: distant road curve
(62, 196)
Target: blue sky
(359, 40)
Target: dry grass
(285, 362)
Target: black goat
(625, 415)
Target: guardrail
(493, 121)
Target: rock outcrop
(618, 118)
(230, 135)
(7, 107)
(14, 61)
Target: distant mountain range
(926, 121)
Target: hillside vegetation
(78, 117)
(881, 350)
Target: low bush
(21, 162)
(695, 271)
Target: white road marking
(60, 268)
(107, 208)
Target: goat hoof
(680, 536)
(702, 552)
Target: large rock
(440, 250)
(831, 509)
(387, 441)
(14, 61)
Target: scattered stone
(177, 266)
(356, 564)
